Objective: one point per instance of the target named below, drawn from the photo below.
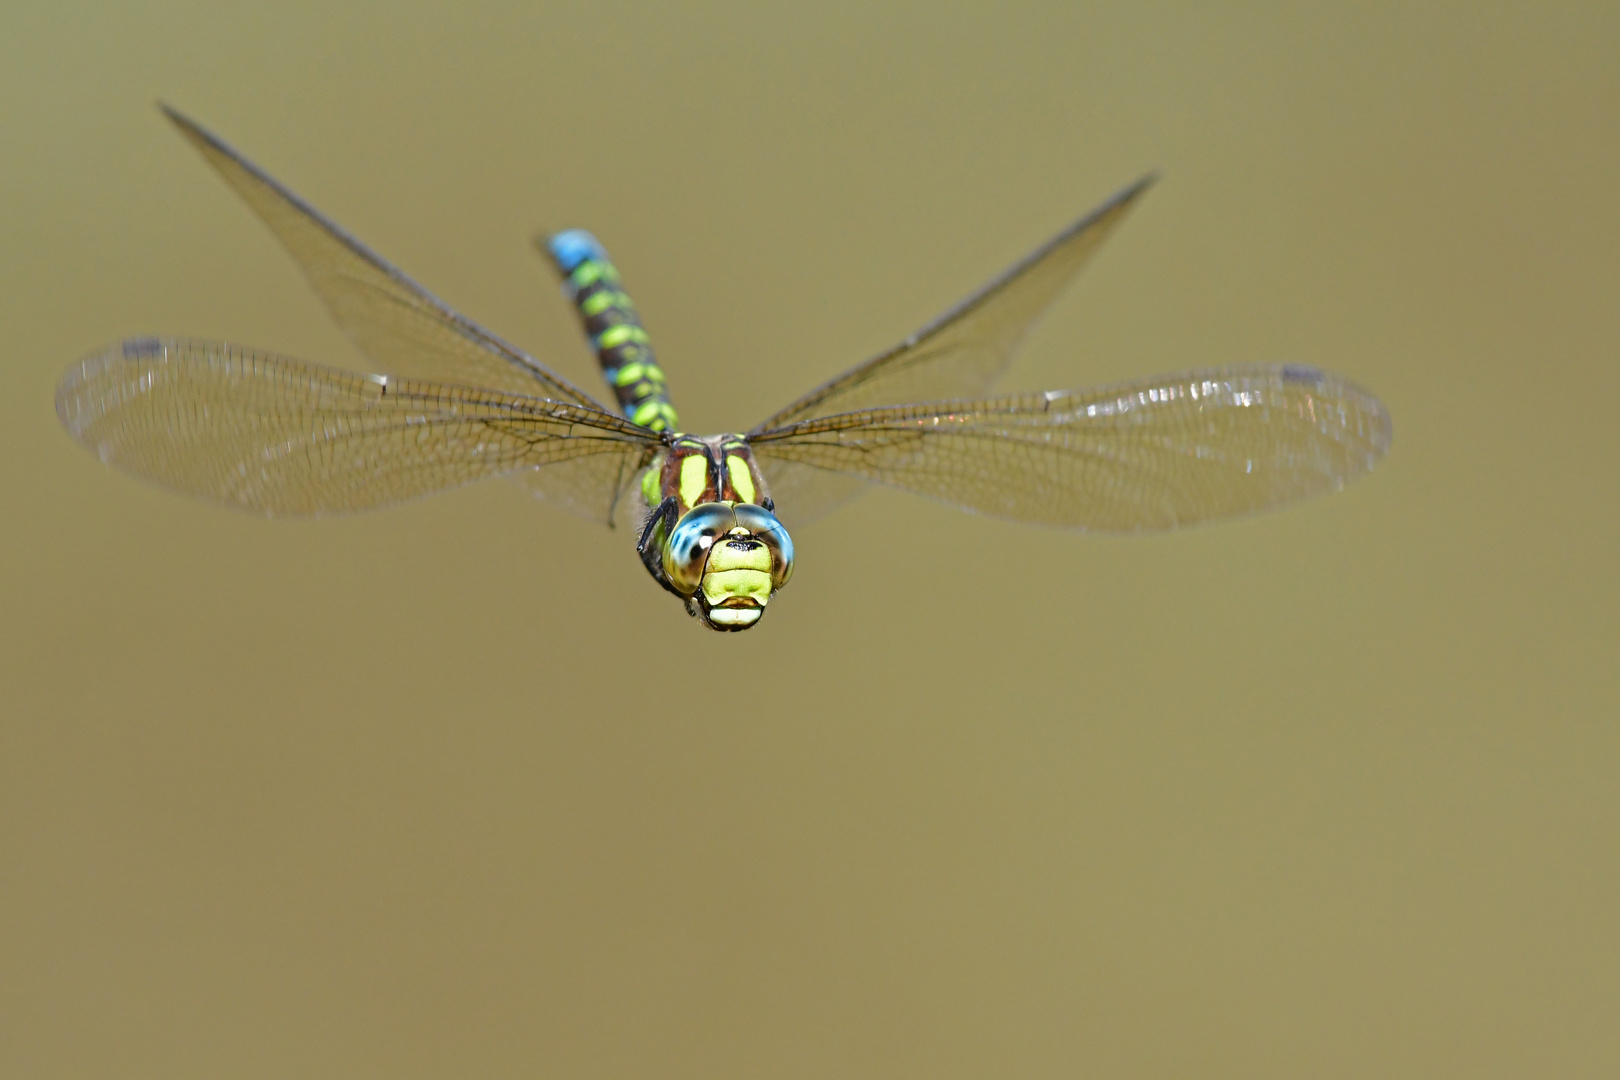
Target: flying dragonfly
(452, 403)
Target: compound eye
(763, 526)
(689, 543)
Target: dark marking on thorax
(721, 469)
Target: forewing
(1139, 456)
(404, 328)
(272, 435)
(961, 353)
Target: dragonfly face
(273, 435)
(727, 560)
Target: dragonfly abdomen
(613, 329)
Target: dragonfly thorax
(695, 469)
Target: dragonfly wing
(1139, 456)
(961, 353)
(803, 493)
(404, 328)
(272, 435)
(596, 487)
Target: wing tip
(1127, 195)
(1142, 183)
(213, 147)
(74, 378)
(186, 124)
(141, 348)
(1380, 427)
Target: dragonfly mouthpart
(734, 614)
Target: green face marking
(722, 585)
(736, 583)
(727, 557)
(649, 483)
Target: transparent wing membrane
(961, 353)
(804, 493)
(273, 435)
(596, 487)
(1144, 455)
(404, 328)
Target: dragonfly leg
(664, 512)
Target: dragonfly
(451, 403)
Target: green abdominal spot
(635, 372)
(618, 335)
(658, 415)
(596, 303)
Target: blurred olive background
(454, 790)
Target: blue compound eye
(689, 542)
(763, 526)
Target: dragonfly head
(728, 559)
